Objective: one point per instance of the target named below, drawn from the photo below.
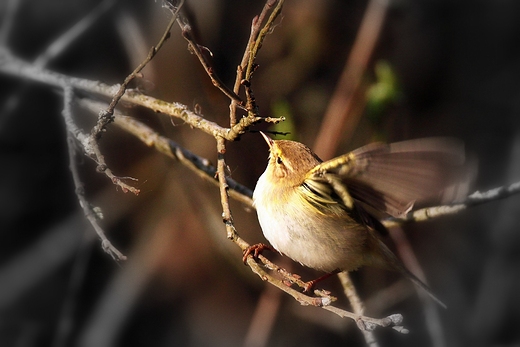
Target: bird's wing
(392, 178)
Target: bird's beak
(267, 139)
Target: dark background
(458, 67)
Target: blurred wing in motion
(393, 178)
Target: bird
(327, 215)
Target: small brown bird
(326, 215)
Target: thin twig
(105, 116)
(92, 148)
(53, 50)
(71, 300)
(16, 67)
(363, 322)
(187, 33)
(223, 185)
(266, 29)
(10, 8)
(255, 48)
(357, 305)
(64, 41)
(92, 213)
(475, 199)
(256, 25)
(200, 166)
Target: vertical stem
(223, 186)
(357, 305)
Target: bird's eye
(278, 160)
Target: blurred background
(439, 68)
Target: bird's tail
(396, 264)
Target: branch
(365, 323)
(195, 48)
(257, 43)
(475, 199)
(90, 147)
(324, 301)
(255, 29)
(254, 49)
(105, 116)
(16, 67)
(200, 166)
(12, 66)
(357, 305)
(248, 65)
(10, 7)
(93, 214)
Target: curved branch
(91, 213)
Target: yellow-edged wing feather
(392, 178)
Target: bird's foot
(309, 286)
(255, 250)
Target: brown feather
(394, 178)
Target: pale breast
(310, 238)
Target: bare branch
(10, 7)
(257, 43)
(91, 148)
(200, 166)
(363, 322)
(92, 213)
(12, 66)
(70, 36)
(54, 50)
(477, 198)
(16, 67)
(195, 48)
(357, 305)
(254, 49)
(256, 25)
(105, 116)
